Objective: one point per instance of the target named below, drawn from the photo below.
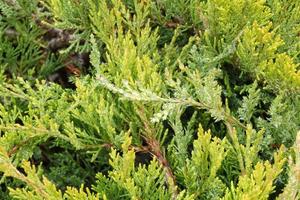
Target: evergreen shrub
(150, 99)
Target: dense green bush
(141, 99)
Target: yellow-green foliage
(258, 184)
(291, 190)
(258, 54)
(196, 99)
(227, 18)
(201, 169)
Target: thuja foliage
(141, 99)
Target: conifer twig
(155, 149)
(236, 145)
(136, 96)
